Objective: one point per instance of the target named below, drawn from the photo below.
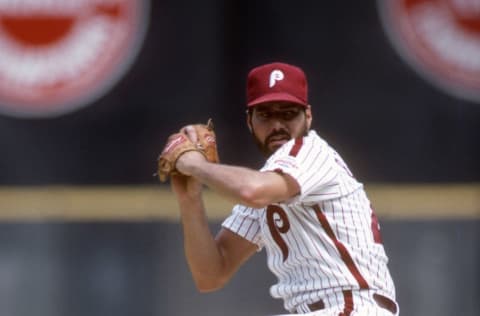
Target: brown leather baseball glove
(179, 143)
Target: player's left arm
(212, 260)
(242, 185)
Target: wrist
(187, 162)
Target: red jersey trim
(348, 305)
(296, 147)
(341, 248)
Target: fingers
(189, 130)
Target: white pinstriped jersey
(324, 240)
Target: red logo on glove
(180, 139)
(210, 139)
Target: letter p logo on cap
(275, 76)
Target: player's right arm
(239, 184)
(212, 260)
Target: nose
(277, 124)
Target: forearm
(239, 184)
(205, 261)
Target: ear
(308, 116)
(249, 121)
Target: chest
(289, 228)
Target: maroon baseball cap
(277, 82)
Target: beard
(264, 147)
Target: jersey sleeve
(244, 221)
(309, 161)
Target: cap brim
(278, 97)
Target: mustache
(276, 134)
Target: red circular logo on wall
(57, 55)
(440, 39)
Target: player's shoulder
(313, 137)
(309, 142)
(301, 145)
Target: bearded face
(270, 143)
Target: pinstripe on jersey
(320, 241)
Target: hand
(191, 133)
(205, 139)
(188, 161)
(197, 137)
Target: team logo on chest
(57, 55)
(278, 225)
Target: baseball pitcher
(304, 207)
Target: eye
(264, 115)
(285, 115)
(289, 115)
